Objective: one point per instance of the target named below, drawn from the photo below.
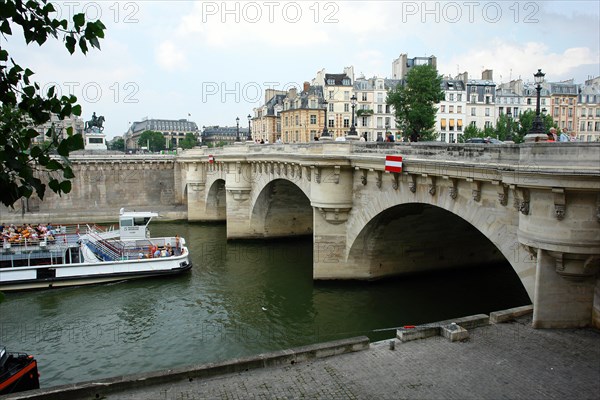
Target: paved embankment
(508, 360)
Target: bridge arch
(431, 232)
(280, 208)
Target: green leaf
(78, 20)
(53, 165)
(65, 186)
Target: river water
(241, 298)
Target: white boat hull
(28, 278)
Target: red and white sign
(393, 163)
(211, 159)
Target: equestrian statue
(95, 122)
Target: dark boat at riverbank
(18, 372)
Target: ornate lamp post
(249, 139)
(537, 129)
(352, 135)
(508, 138)
(237, 135)
(325, 134)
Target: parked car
(476, 140)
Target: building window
(451, 109)
(442, 137)
(331, 95)
(387, 109)
(346, 123)
(443, 108)
(487, 112)
(313, 119)
(459, 97)
(331, 123)
(346, 95)
(364, 121)
(379, 109)
(380, 97)
(451, 96)
(364, 96)
(331, 107)
(346, 107)
(379, 122)
(473, 124)
(488, 124)
(443, 124)
(451, 138)
(459, 109)
(473, 112)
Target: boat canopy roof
(136, 214)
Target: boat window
(127, 222)
(141, 221)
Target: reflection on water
(240, 299)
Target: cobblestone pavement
(504, 361)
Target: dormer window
(330, 81)
(346, 81)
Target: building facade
(374, 117)
(481, 100)
(451, 114)
(303, 115)
(173, 131)
(337, 90)
(266, 123)
(223, 135)
(403, 64)
(563, 103)
(60, 127)
(588, 111)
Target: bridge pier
(561, 230)
(566, 291)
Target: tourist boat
(77, 255)
(18, 372)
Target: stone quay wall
(104, 184)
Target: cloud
(514, 60)
(171, 57)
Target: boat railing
(105, 249)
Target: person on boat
(157, 252)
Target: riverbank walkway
(507, 360)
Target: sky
(211, 61)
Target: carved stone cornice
(575, 267)
(395, 180)
(431, 180)
(335, 215)
(475, 189)
(239, 194)
(502, 191)
(560, 204)
(412, 183)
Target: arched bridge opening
(415, 238)
(281, 210)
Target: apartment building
(563, 103)
(588, 111)
(266, 124)
(303, 115)
(373, 117)
(481, 100)
(451, 114)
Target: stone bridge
(535, 205)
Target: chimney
(487, 75)
(306, 86)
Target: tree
(189, 141)
(470, 131)
(117, 144)
(155, 141)
(414, 102)
(23, 163)
(526, 122)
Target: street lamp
(352, 134)
(537, 129)
(249, 139)
(237, 135)
(509, 138)
(325, 134)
